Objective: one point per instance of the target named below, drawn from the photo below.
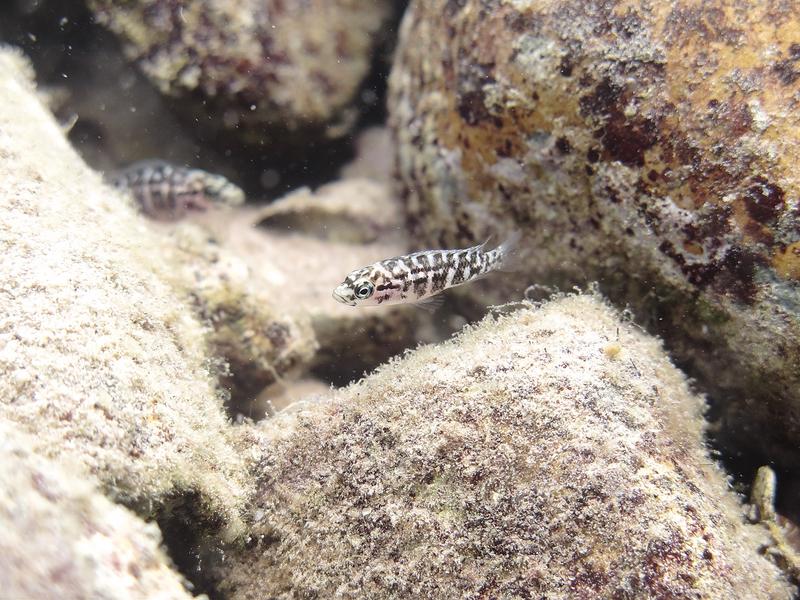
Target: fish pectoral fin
(431, 304)
(481, 276)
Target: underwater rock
(354, 211)
(783, 549)
(301, 250)
(254, 67)
(63, 539)
(101, 357)
(261, 343)
(292, 395)
(374, 158)
(550, 452)
(652, 147)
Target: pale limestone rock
(62, 539)
(552, 452)
(101, 355)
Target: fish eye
(364, 289)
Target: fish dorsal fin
(431, 304)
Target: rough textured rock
(374, 158)
(101, 357)
(304, 245)
(553, 452)
(355, 211)
(293, 395)
(261, 343)
(62, 539)
(253, 66)
(784, 548)
(651, 146)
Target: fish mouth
(337, 295)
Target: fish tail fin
(510, 259)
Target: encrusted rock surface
(552, 452)
(254, 66)
(293, 395)
(261, 343)
(101, 356)
(651, 146)
(374, 158)
(62, 539)
(355, 211)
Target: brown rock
(521, 460)
(256, 66)
(652, 147)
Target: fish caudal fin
(510, 259)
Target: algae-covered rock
(355, 210)
(554, 452)
(651, 146)
(255, 66)
(292, 395)
(261, 342)
(374, 159)
(62, 539)
(101, 357)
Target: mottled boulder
(292, 395)
(253, 67)
(651, 146)
(374, 157)
(554, 452)
(102, 357)
(260, 342)
(63, 539)
(353, 211)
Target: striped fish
(167, 192)
(419, 277)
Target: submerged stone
(525, 458)
(651, 147)
(256, 70)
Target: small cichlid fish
(168, 192)
(419, 277)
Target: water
(169, 348)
